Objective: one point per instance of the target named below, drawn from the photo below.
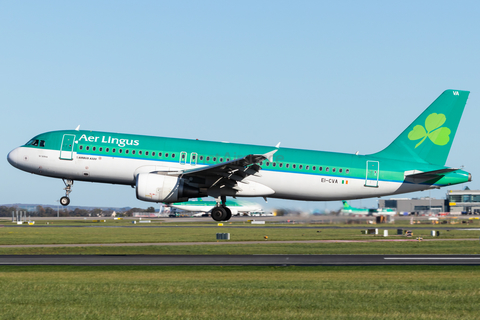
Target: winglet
(269, 155)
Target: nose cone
(13, 157)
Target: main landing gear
(221, 211)
(65, 201)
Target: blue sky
(340, 76)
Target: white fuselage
(117, 170)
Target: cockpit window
(36, 143)
(33, 142)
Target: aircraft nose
(13, 157)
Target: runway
(239, 260)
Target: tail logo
(433, 130)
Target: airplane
(235, 206)
(172, 170)
(349, 210)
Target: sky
(341, 76)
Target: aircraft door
(66, 149)
(193, 159)
(183, 157)
(373, 172)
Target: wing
(229, 176)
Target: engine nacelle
(162, 188)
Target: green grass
(67, 235)
(443, 247)
(389, 292)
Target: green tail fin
(429, 138)
(345, 205)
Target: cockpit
(36, 143)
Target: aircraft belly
(327, 188)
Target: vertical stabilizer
(429, 138)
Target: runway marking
(429, 258)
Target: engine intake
(154, 187)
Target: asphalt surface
(240, 260)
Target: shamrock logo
(433, 130)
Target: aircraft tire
(219, 213)
(229, 213)
(64, 201)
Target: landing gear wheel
(219, 214)
(229, 213)
(64, 201)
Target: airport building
(415, 205)
(464, 201)
(456, 202)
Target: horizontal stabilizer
(417, 176)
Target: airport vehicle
(200, 206)
(173, 170)
(349, 210)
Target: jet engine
(162, 188)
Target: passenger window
(340, 170)
(208, 158)
(280, 165)
(81, 147)
(333, 170)
(88, 148)
(166, 155)
(153, 154)
(201, 158)
(159, 154)
(268, 163)
(326, 169)
(347, 171)
(314, 168)
(294, 166)
(301, 166)
(287, 165)
(94, 148)
(113, 150)
(274, 164)
(307, 167)
(140, 152)
(214, 159)
(126, 151)
(106, 150)
(221, 159)
(101, 149)
(320, 168)
(133, 151)
(146, 153)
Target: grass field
(443, 247)
(110, 235)
(389, 292)
(65, 235)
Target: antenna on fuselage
(77, 128)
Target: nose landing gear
(65, 201)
